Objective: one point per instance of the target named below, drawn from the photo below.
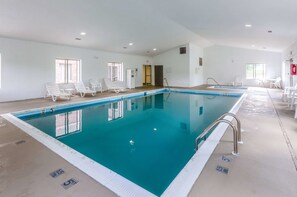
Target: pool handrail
(238, 125)
(167, 85)
(211, 79)
(217, 121)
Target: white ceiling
(163, 24)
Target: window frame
(67, 71)
(111, 69)
(254, 71)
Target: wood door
(158, 75)
(147, 75)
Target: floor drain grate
(20, 142)
(57, 173)
(226, 159)
(69, 183)
(222, 169)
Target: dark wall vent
(182, 50)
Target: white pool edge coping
(180, 186)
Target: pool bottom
(117, 183)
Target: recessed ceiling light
(130, 44)
(83, 33)
(248, 25)
(77, 38)
(154, 49)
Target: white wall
(195, 71)
(226, 63)
(175, 65)
(26, 66)
(289, 53)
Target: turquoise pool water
(147, 140)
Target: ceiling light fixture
(269, 31)
(124, 47)
(83, 33)
(248, 25)
(154, 49)
(253, 45)
(130, 44)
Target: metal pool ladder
(236, 132)
(211, 79)
(167, 85)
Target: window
(255, 71)
(67, 71)
(115, 71)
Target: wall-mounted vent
(182, 50)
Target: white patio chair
(95, 85)
(83, 90)
(293, 102)
(238, 81)
(115, 86)
(292, 99)
(277, 83)
(54, 91)
(287, 91)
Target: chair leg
(291, 105)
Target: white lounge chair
(83, 90)
(95, 85)
(115, 86)
(54, 91)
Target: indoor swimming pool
(142, 140)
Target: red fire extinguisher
(293, 69)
